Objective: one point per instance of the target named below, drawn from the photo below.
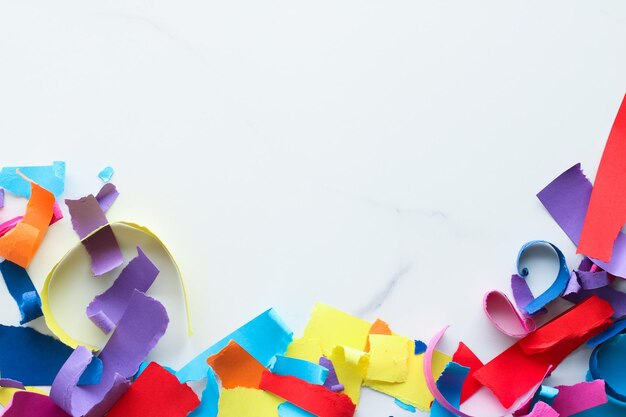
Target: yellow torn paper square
(305, 349)
(247, 402)
(389, 355)
(333, 327)
(414, 390)
(351, 367)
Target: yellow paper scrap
(414, 390)
(351, 367)
(120, 229)
(247, 402)
(333, 327)
(305, 349)
(389, 357)
(6, 393)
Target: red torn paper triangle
(516, 370)
(156, 393)
(315, 399)
(606, 213)
(465, 357)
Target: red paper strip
(465, 357)
(315, 399)
(156, 393)
(516, 370)
(606, 213)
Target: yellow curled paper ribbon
(51, 321)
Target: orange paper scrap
(236, 367)
(20, 244)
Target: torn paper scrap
(307, 371)
(566, 199)
(156, 393)
(107, 196)
(51, 177)
(1, 197)
(236, 367)
(378, 327)
(107, 309)
(30, 404)
(516, 370)
(333, 327)
(404, 406)
(106, 174)
(389, 356)
(263, 337)
(505, 317)
(248, 402)
(20, 244)
(606, 213)
(541, 409)
(34, 358)
(210, 397)
(450, 384)
(22, 290)
(290, 410)
(572, 399)
(558, 285)
(94, 231)
(144, 322)
(613, 408)
(306, 349)
(607, 363)
(351, 366)
(313, 398)
(465, 357)
(414, 390)
(332, 381)
(608, 333)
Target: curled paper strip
(607, 363)
(505, 316)
(557, 287)
(121, 229)
(442, 400)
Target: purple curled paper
(91, 224)
(144, 322)
(566, 199)
(106, 309)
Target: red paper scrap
(606, 213)
(315, 399)
(465, 357)
(155, 393)
(516, 370)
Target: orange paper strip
(20, 244)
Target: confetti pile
(261, 370)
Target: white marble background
(382, 157)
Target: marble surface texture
(382, 157)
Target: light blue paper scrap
(404, 406)
(305, 370)
(210, 397)
(50, 177)
(263, 337)
(106, 174)
(291, 410)
(450, 384)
